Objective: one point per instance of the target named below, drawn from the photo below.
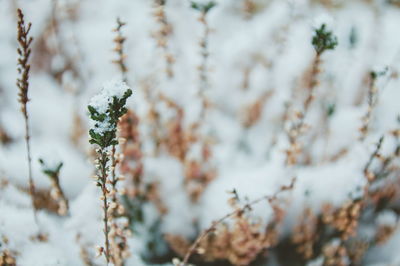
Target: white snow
(274, 45)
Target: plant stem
(29, 157)
(103, 181)
(113, 178)
(314, 81)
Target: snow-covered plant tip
(323, 39)
(105, 109)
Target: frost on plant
(105, 109)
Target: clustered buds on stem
(323, 40)
(162, 34)
(372, 100)
(24, 52)
(119, 41)
(204, 8)
(105, 111)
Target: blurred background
(219, 90)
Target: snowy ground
(273, 44)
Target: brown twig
(373, 156)
(214, 225)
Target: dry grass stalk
(236, 213)
(24, 52)
(162, 35)
(119, 49)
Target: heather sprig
(323, 39)
(24, 52)
(373, 94)
(105, 110)
(119, 41)
(162, 34)
(106, 119)
(204, 8)
(53, 172)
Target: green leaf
(203, 7)
(323, 40)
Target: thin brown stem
(113, 177)
(103, 182)
(24, 52)
(297, 128)
(31, 183)
(313, 81)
